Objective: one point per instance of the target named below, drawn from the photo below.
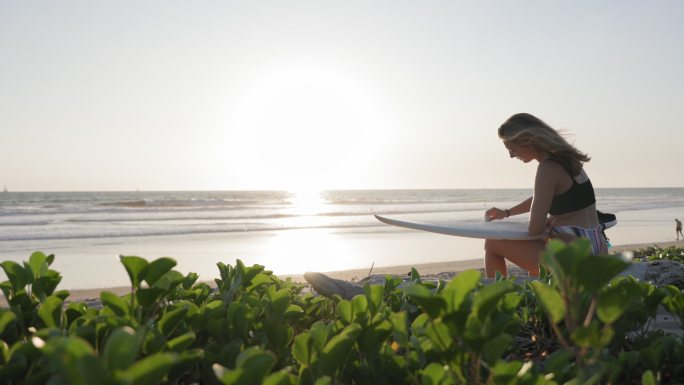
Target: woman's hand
(495, 213)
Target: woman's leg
(523, 253)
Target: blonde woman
(563, 204)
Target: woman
(563, 204)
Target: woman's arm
(520, 208)
(545, 182)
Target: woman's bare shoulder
(550, 168)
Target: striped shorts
(599, 245)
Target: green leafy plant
(582, 325)
(672, 253)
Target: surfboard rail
(510, 230)
(482, 230)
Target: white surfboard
(509, 230)
(483, 230)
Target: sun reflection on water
(307, 202)
(310, 243)
(297, 251)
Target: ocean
(288, 232)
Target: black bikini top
(577, 197)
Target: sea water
(288, 232)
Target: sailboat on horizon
(4, 189)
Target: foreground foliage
(578, 324)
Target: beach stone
(660, 272)
(664, 272)
(328, 287)
(636, 270)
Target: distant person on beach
(678, 228)
(563, 204)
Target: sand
(358, 274)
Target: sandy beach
(358, 274)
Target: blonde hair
(527, 130)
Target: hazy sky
(204, 95)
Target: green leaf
(374, 337)
(551, 300)
(121, 348)
(7, 317)
(360, 308)
(438, 333)
(415, 276)
(148, 296)
(435, 374)
(418, 325)
(558, 259)
(485, 300)
(574, 254)
(238, 317)
(170, 320)
(50, 311)
(652, 356)
(374, 295)
(248, 273)
(256, 360)
(237, 376)
(344, 311)
(293, 311)
(46, 284)
(597, 271)
(648, 378)
(182, 342)
(505, 372)
(151, 369)
(117, 304)
(4, 355)
(134, 267)
(337, 350)
(168, 281)
(189, 280)
(251, 366)
(495, 348)
(185, 364)
(302, 348)
(280, 300)
(74, 360)
(592, 336)
(400, 327)
(16, 274)
(258, 281)
(319, 334)
(459, 288)
(614, 302)
(433, 304)
(277, 378)
(156, 269)
(591, 374)
(325, 380)
(674, 301)
(38, 263)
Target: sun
(304, 128)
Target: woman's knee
(491, 244)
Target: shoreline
(354, 275)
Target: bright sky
(183, 95)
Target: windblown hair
(527, 130)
